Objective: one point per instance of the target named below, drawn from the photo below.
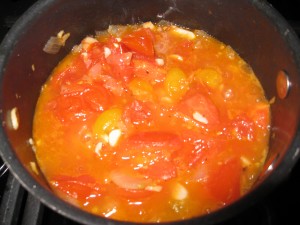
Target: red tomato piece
(243, 128)
(73, 73)
(261, 115)
(161, 170)
(123, 59)
(140, 41)
(79, 102)
(120, 66)
(150, 152)
(97, 98)
(115, 46)
(80, 188)
(155, 140)
(137, 113)
(223, 180)
(68, 108)
(148, 71)
(201, 105)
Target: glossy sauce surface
(153, 113)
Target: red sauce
(151, 123)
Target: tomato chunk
(223, 180)
(150, 153)
(140, 41)
(201, 108)
(80, 188)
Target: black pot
(253, 28)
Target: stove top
(18, 207)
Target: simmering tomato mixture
(151, 123)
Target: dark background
(281, 207)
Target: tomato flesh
(140, 41)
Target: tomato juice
(151, 123)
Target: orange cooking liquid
(151, 123)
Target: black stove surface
(18, 207)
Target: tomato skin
(155, 140)
(140, 41)
(79, 188)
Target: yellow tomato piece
(176, 83)
(141, 89)
(210, 77)
(107, 121)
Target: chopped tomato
(140, 41)
(137, 113)
(162, 170)
(154, 140)
(120, 65)
(79, 102)
(95, 54)
(72, 73)
(201, 108)
(243, 128)
(123, 59)
(150, 153)
(223, 180)
(148, 71)
(80, 188)
(261, 115)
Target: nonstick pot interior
(253, 28)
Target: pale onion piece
(34, 168)
(184, 33)
(127, 180)
(60, 34)
(53, 45)
(31, 143)
(179, 192)
(118, 39)
(154, 188)
(177, 57)
(245, 161)
(107, 52)
(98, 148)
(160, 61)
(116, 45)
(13, 119)
(200, 118)
(64, 38)
(104, 138)
(114, 137)
(148, 25)
(86, 42)
(272, 100)
(110, 213)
